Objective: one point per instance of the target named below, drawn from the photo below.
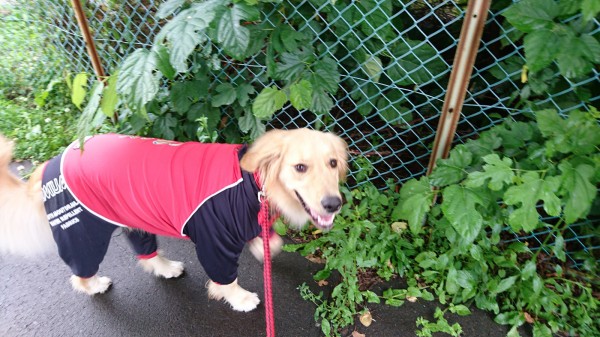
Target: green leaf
(249, 123)
(513, 332)
(79, 89)
(451, 171)
(589, 9)
(575, 57)
(325, 327)
(459, 279)
(325, 75)
(579, 134)
(163, 126)
(168, 8)
(497, 170)
(415, 201)
(460, 310)
(322, 275)
(506, 318)
(541, 330)
(373, 68)
(375, 19)
(529, 270)
(243, 93)
(137, 82)
(233, 36)
(549, 122)
(91, 116)
(321, 102)
(186, 31)
(417, 62)
(293, 65)
(204, 109)
(541, 48)
(504, 285)
(162, 61)
(578, 190)
(531, 15)
(184, 94)
(459, 208)
(527, 194)
(226, 95)
(110, 99)
(559, 247)
(372, 297)
(269, 100)
(301, 95)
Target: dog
(208, 193)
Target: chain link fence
(395, 58)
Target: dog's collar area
(266, 217)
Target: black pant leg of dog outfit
(222, 226)
(81, 237)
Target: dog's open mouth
(322, 221)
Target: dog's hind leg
(91, 285)
(239, 298)
(150, 258)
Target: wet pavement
(36, 300)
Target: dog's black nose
(331, 203)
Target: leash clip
(261, 196)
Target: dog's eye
(301, 168)
(333, 163)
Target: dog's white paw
(239, 298)
(163, 267)
(244, 301)
(91, 286)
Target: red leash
(266, 221)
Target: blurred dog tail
(24, 228)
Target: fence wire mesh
(395, 58)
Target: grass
(39, 133)
(35, 107)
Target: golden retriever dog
(210, 194)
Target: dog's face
(301, 172)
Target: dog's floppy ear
(341, 152)
(266, 150)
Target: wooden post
(468, 44)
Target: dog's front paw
(245, 301)
(91, 286)
(239, 298)
(162, 267)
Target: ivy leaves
(234, 37)
(472, 189)
(137, 81)
(547, 39)
(181, 52)
(309, 82)
(516, 174)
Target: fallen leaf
(529, 319)
(366, 319)
(411, 299)
(398, 227)
(357, 334)
(322, 283)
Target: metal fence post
(89, 41)
(468, 44)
